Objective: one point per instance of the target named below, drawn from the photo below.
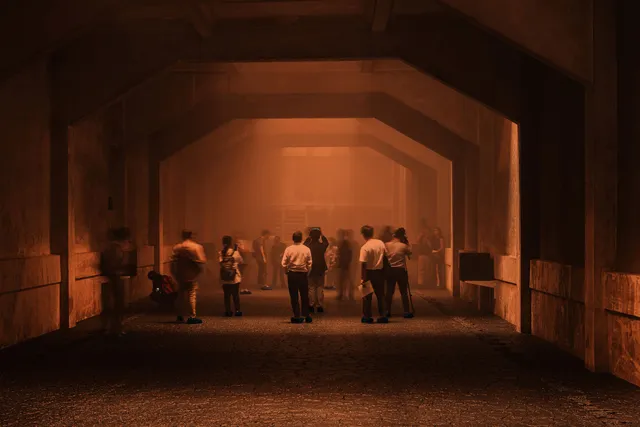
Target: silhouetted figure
(275, 257)
(345, 273)
(436, 242)
(387, 234)
(164, 289)
(230, 276)
(297, 263)
(423, 251)
(372, 255)
(331, 257)
(318, 245)
(118, 261)
(261, 260)
(187, 262)
(399, 251)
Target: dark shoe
(180, 319)
(266, 288)
(297, 319)
(388, 314)
(320, 310)
(382, 320)
(245, 292)
(194, 321)
(228, 314)
(308, 319)
(408, 315)
(367, 320)
(238, 313)
(312, 309)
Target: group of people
(305, 264)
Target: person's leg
(283, 281)
(312, 284)
(119, 306)
(235, 293)
(181, 301)
(391, 288)
(192, 295)
(320, 292)
(226, 288)
(294, 287)
(378, 283)
(441, 273)
(403, 285)
(341, 283)
(367, 312)
(304, 294)
(274, 276)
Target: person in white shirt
(187, 261)
(230, 277)
(372, 260)
(399, 251)
(297, 263)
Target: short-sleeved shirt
(397, 253)
(372, 253)
(237, 260)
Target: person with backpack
(187, 261)
(230, 260)
(317, 244)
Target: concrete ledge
(506, 268)
(87, 265)
(559, 321)
(556, 279)
(29, 313)
(623, 293)
(624, 347)
(24, 273)
(507, 301)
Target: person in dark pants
(399, 251)
(318, 245)
(436, 242)
(261, 260)
(275, 257)
(230, 277)
(372, 256)
(297, 262)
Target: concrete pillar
(458, 213)
(156, 230)
(601, 154)
(62, 217)
(471, 191)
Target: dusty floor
(445, 367)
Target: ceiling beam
(200, 17)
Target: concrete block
(623, 293)
(87, 265)
(24, 273)
(557, 279)
(86, 298)
(507, 268)
(559, 321)
(624, 347)
(29, 313)
(507, 300)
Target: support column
(458, 213)
(63, 218)
(156, 230)
(471, 191)
(601, 154)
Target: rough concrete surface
(447, 366)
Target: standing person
(437, 256)
(186, 263)
(426, 274)
(399, 251)
(387, 234)
(318, 245)
(261, 260)
(372, 255)
(345, 259)
(230, 276)
(275, 257)
(331, 257)
(118, 261)
(297, 262)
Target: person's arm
(201, 258)
(285, 259)
(363, 265)
(409, 252)
(441, 248)
(238, 257)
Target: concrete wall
(29, 273)
(557, 31)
